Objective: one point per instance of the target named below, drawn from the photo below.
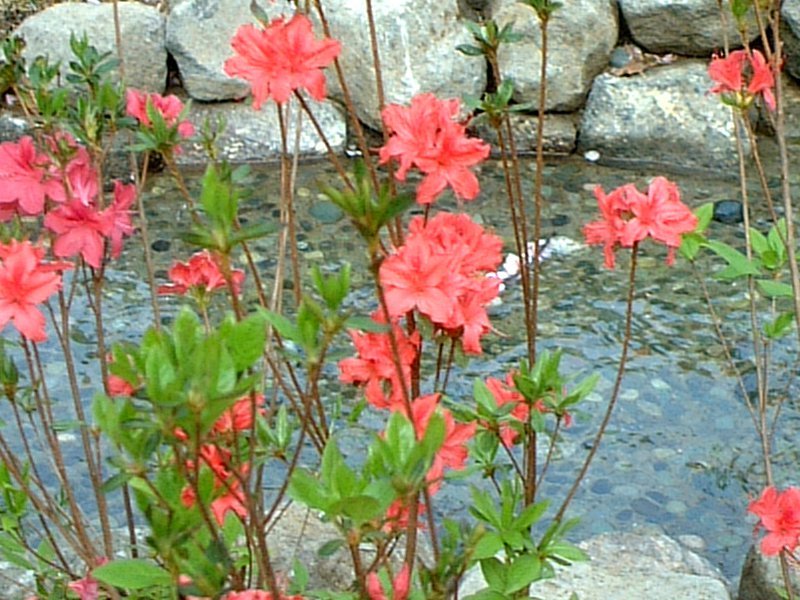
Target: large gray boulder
(689, 27)
(627, 566)
(790, 34)
(665, 117)
(417, 42)
(254, 136)
(47, 33)
(581, 37)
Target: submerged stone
(728, 211)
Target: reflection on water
(681, 451)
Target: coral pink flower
(200, 275)
(441, 272)
(661, 215)
(415, 277)
(629, 217)
(281, 58)
(504, 393)
(400, 585)
(729, 75)
(24, 179)
(219, 461)
(80, 229)
(119, 215)
(170, 107)
(239, 417)
(779, 514)
(425, 135)
(26, 282)
(374, 366)
(453, 453)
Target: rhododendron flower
(219, 461)
(415, 277)
(169, 107)
(201, 275)
(504, 393)
(81, 230)
(453, 452)
(779, 514)
(427, 136)
(629, 217)
(374, 366)
(119, 215)
(729, 75)
(400, 585)
(239, 417)
(25, 181)
(26, 282)
(281, 58)
(441, 271)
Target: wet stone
(326, 212)
(601, 486)
(728, 211)
(161, 245)
(559, 220)
(647, 508)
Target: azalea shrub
(192, 421)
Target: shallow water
(680, 454)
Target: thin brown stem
(626, 340)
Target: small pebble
(592, 155)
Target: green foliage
(368, 213)
(132, 574)
(692, 242)
(544, 8)
(488, 38)
(220, 202)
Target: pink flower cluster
(281, 58)
(427, 135)
(200, 276)
(81, 226)
(169, 107)
(741, 76)
(441, 271)
(629, 217)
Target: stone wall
(626, 78)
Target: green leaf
(530, 515)
(307, 489)
(738, 263)
(775, 289)
(494, 572)
(758, 241)
(245, 340)
(330, 547)
(282, 325)
(366, 324)
(488, 546)
(469, 50)
(523, 571)
(567, 552)
(132, 574)
(780, 326)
